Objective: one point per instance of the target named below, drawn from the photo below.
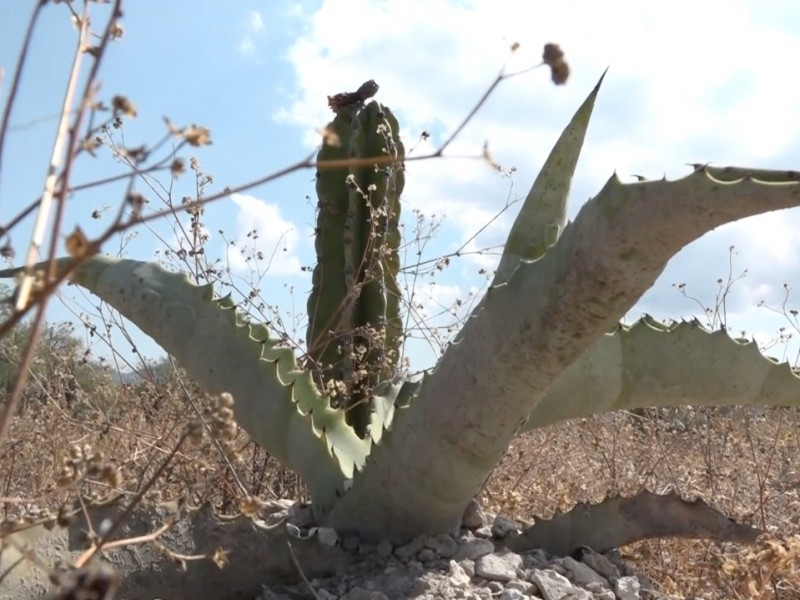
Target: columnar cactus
(355, 329)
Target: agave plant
(390, 457)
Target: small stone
(444, 545)
(474, 516)
(598, 563)
(654, 595)
(581, 573)
(270, 595)
(458, 576)
(518, 584)
(513, 594)
(596, 588)
(301, 515)
(464, 536)
(410, 549)
(553, 586)
(474, 549)
(503, 526)
(498, 566)
(384, 549)
(426, 555)
(484, 532)
(468, 565)
(359, 593)
(536, 558)
(627, 588)
(327, 536)
(495, 587)
(323, 594)
(415, 568)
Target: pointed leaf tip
(543, 216)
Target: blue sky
(688, 82)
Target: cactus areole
(355, 331)
(388, 457)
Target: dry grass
(55, 453)
(739, 460)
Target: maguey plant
(387, 456)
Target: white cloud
(253, 27)
(255, 22)
(246, 46)
(275, 238)
(678, 77)
(687, 83)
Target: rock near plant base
(281, 555)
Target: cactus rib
(355, 330)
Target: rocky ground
(279, 553)
(473, 565)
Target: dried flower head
(560, 73)
(552, 54)
(77, 243)
(553, 57)
(123, 105)
(116, 30)
(197, 135)
(177, 167)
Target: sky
(707, 82)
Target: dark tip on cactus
(340, 101)
(367, 90)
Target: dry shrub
(741, 461)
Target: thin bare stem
(10, 406)
(37, 238)
(73, 132)
(307, 163)
(86, 557)
(497, 80)
(297, 566)
(4, 229)
(12, 92)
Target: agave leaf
(275, 401)
(734, 174)
(527, 332)
(543, 216)
(618, 521)
(650, 364)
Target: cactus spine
(355, 330)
